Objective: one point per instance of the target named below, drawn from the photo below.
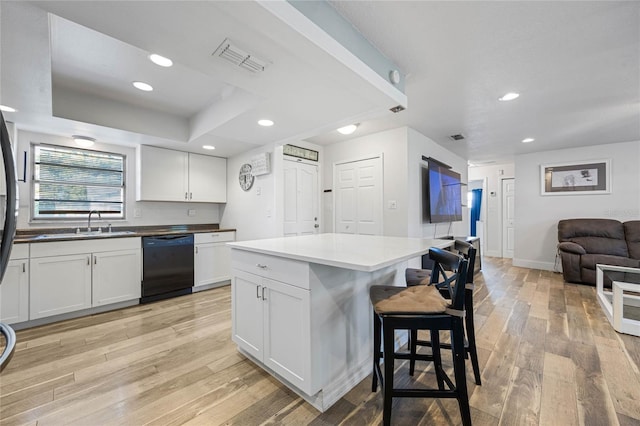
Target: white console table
(623, 297)
(301, 310)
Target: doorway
(508, 216)
(358, 196)
(300, 198)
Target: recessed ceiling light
(527, 140)
(347, 130)
(265, 122)
(160, 60)
(5, 108)
(83, 141)
(208, 147)
(509, 96)
(142, 86)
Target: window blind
(69, 183)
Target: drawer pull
(258, 265)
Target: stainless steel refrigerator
(8, 216)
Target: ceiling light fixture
(347, 130)
(509, 96)
(160, 60)
(265, 122)
(83, 141)
(142, 86)
(208, 147)
(5, 108)
(527, 140)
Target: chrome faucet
(89, 221)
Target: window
(68, 183)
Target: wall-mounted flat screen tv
(441, 194)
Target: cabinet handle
(191, 195)
(196, 249)
(263, 298)
(257, 292)
(95, 260)
(24, 267)
(258, 265)
(186, 195)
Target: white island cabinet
(301, 310)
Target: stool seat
(418, 299)
(415, 276)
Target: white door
(116, 276)
(247, 312)
(358, 197)
(14, 292)
(300, 198)
(508, 216)
(59, 284)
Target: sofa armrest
(570, 247)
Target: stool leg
(389, 358)
(437, 358)
(473, 353)
(413, 339)
(458, 350)
(376, 351)
(471, 337)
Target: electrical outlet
(393, 204)
(137, 212)
(191, 212)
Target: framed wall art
(586, 177)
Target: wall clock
(245, 177)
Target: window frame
(32, 195)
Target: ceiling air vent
(457, 137)
(239, 57)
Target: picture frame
(576, 178)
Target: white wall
(537, 216)
(491, 208)
(402, 150)
(392, 144)
(257, 213)
(151, 213)
(419, 145)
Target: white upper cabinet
(168, 175)
(207, 179)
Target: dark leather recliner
(583, 243)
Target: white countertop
(357, 252)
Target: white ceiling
(68, 68)
(575, 64)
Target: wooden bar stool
(422, 276)
(422, 308)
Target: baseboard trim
(534, 264)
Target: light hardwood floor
(547, 353)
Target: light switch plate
(191, 212)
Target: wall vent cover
(239, 57)
(457, 137)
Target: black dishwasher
(167, 266)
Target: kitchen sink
(84, 234)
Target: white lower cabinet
(212, 257)
(14, 291)
(60, 284)
(271, 322)
(73, 275)
(116, 277)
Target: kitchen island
(300, 305)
